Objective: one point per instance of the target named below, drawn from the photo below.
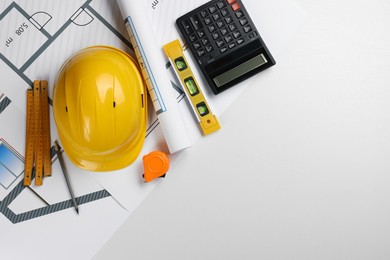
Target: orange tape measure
(37, 156)
(156, 165)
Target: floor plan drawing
(23, 28)
(27, 40)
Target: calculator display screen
(240, 70)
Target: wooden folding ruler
(37, 156)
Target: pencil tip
(77, 210)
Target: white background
(301, 168)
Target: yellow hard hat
(99, 105)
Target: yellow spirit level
(206, 119)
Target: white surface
(308, 179)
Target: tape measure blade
(45, 129)
(38, 133)
(29, 148)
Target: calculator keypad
(218, 29)
(224, 42)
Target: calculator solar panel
(225, 43)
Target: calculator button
(219, 43)
(196, 45)
(203, 13)
(192, 37)
(224, 12)
(212, 28)
(215, 35)
(187, 27)
(201, 33)
(239, 14)
(223, 49)
(216, 16)
(224, 31)
(220, 24)
(196, 22)
(221, 4)
(201, 53)
(209, 48)
(230, 1)
(232, 27)
(208, 21)
(239, 41)
(252, 35)
(228, 19)
(228, 38)
(212, 9)
(243, 21)
(247, 28)
(236, 34)
(205, 41)
(232, 45)
(236, 7)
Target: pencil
(63, 167)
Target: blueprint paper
(155, 76)
(36, 38)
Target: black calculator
(225, 43)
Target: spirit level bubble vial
(206, 119)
